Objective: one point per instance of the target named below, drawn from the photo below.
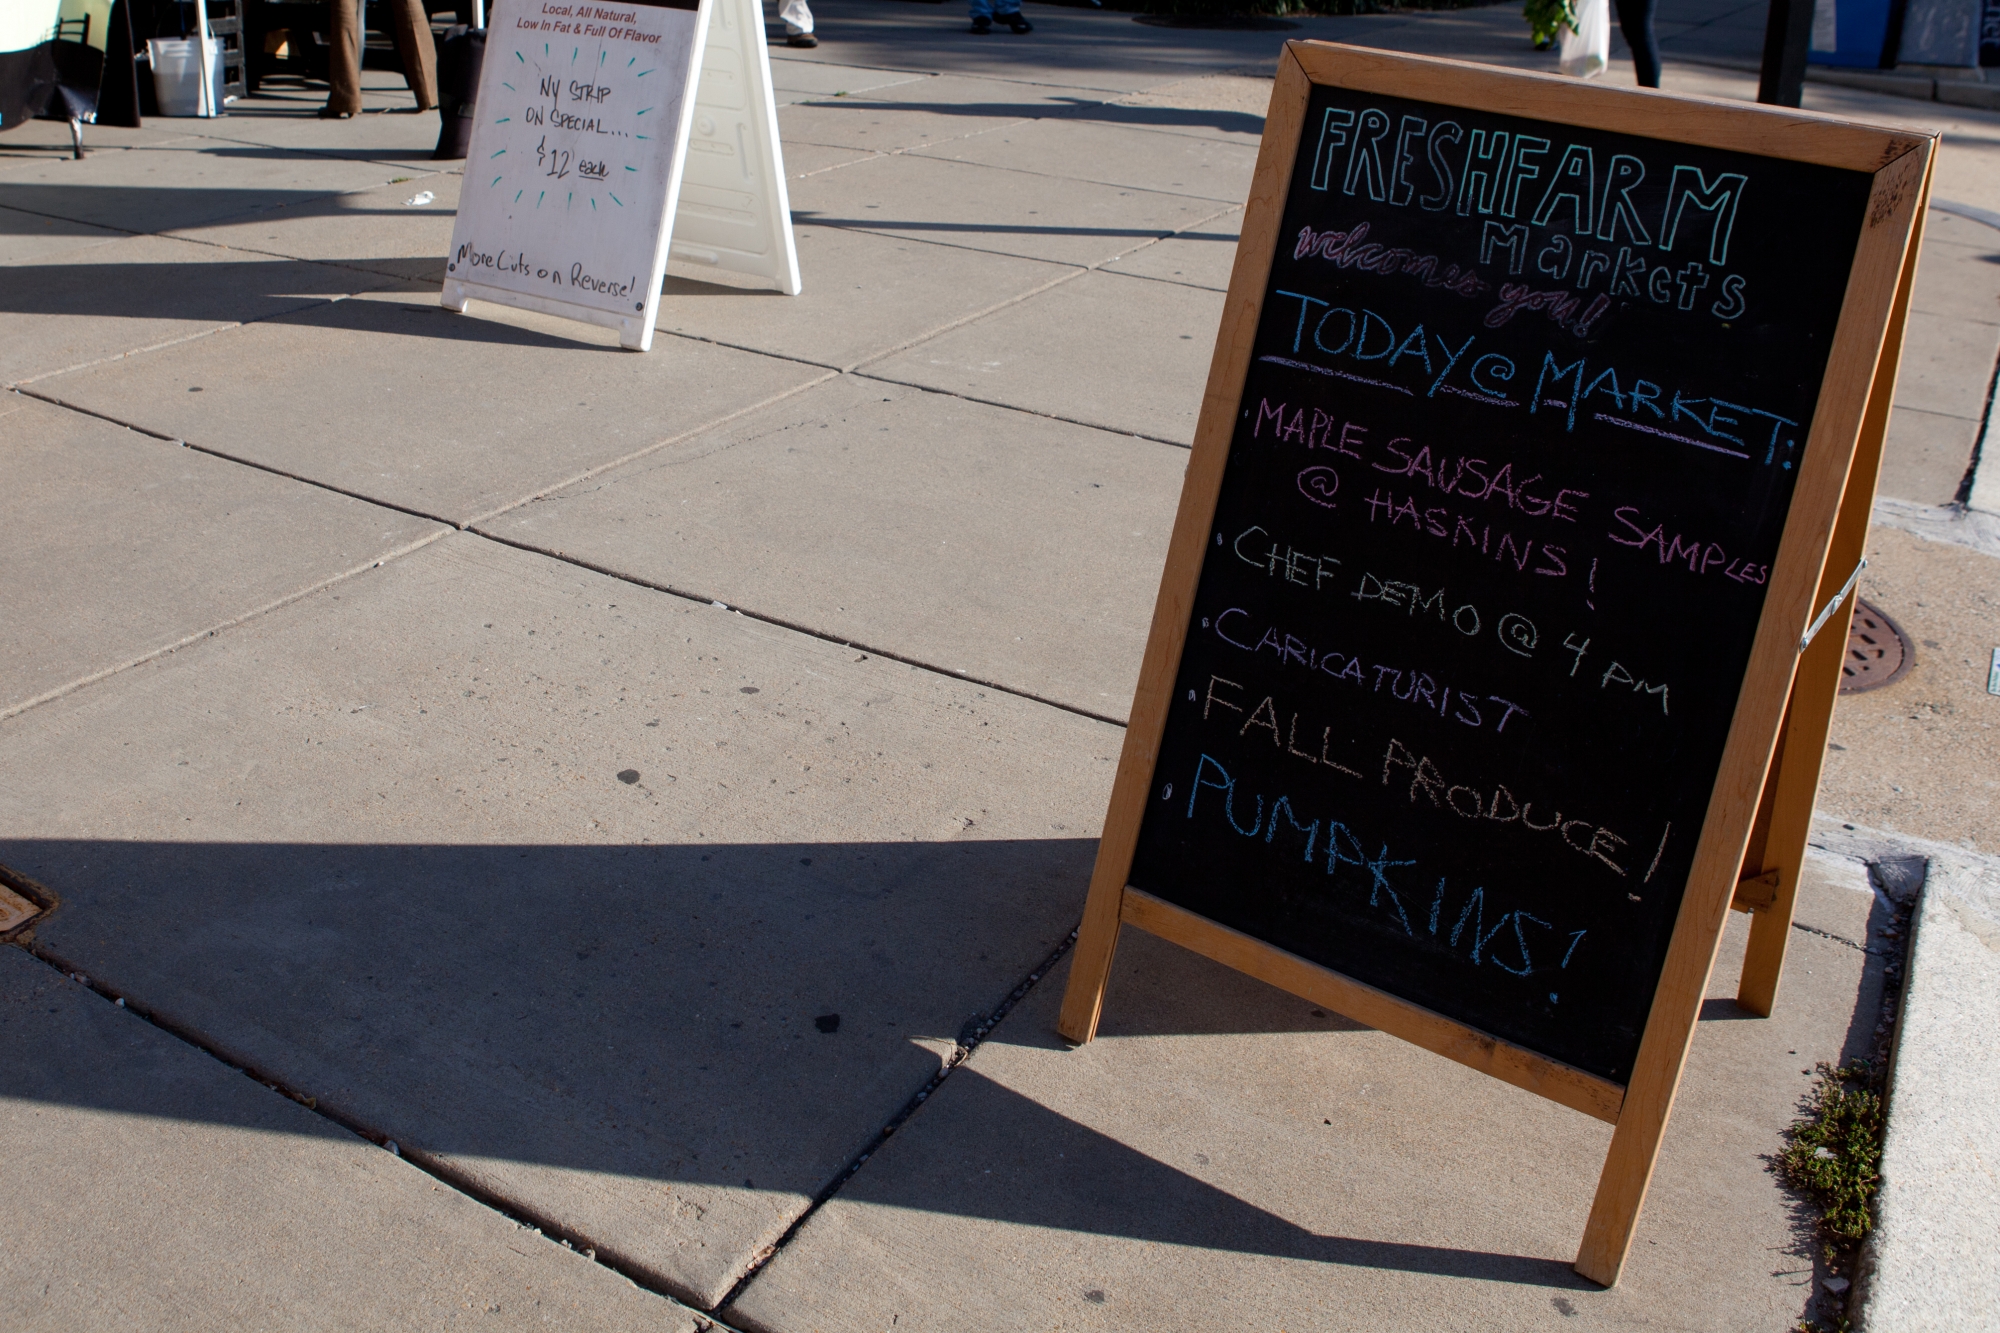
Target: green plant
(1835, 1148)
(1546, 18)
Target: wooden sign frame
(1761, 788)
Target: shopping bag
(1585, 50)
(177, 75)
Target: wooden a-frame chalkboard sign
(1487, 669)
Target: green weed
(1841, 1324)
(1836, 1148)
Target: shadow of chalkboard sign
(1542, 427)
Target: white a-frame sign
(590, 159)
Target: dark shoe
(1017, 21)
(328, 113)
(804, 39)
(982, 26)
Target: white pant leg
(797, 14)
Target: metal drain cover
(1877, 652)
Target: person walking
(1635, 20)
(984, 12)
(798, 17)
(412, 29)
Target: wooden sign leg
(1104, 909)
(1656, 1075)
(1794, 782)
(1090, 962)
(1794, 775)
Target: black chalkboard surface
(1541, 433)
(1523, 417)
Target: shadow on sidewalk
(642, 1011)
(29, 208)
(1061, 108)
(896, 226)
(1028, 1165)
(727, 1015)
(279, 291)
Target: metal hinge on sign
(1756, 893)
(1838, 598)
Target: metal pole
(204, 101)
(478, 14)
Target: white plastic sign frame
(734, 213)
(575, 173)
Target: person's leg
(798, 17)
(414, 43)
(1009, 13)
(343, 59)
(982, 15)
(1635, 20)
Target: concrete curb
(1961, 526)
(1930, 1262)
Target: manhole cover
(1877, 652)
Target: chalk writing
(1680, 550)
(1295, 429)
(1404, 684)
(1440, 522)
(1351, 249)
(1266, 716)
(1415, 360)
(1426, 783)
(1394, 887)
(1307, 570)
(1500, 175)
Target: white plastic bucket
(177, 75)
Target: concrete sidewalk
(630, 784)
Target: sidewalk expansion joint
(438, 1169)
(1074, 271)
(467, 525)
(1842, 939)
(17, 385)
(903, 151)
(1141, 238)
(189, 640)
(1025, 411)
(1069, 273)
(53, 401)
(346, 264)
(693, 432)
(795, 627)
(970, 1038)
(1182, 193)
(305, 304)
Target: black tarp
(83, 71)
